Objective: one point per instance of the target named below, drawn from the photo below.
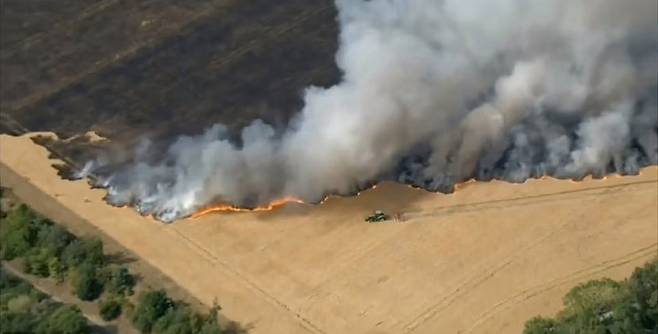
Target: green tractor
(378, 216)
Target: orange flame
(225, 208)
(232, 208)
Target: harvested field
(180, 65)
(482, 260)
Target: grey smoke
(508, 89)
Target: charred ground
(159, 68)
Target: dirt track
(482, 260)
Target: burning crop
(228, 208)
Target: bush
(86, 284)
(110, 309)
(150, 307)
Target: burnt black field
(159, 68)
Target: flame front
(232, 208)
(225, 208)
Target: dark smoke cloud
(434, 92)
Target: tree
(607, 307)
(179, 319)
(539, 325)
(37, 262)
(150, 307)
(86, 284)
(20, 304)
(11, 287)
(182, 319)
(17, 322)
(85, 250)
(17, 234)
(54, 239)
(595, 296)
(643, 286)
(120, 281)
(22, 214)
(64, 320)
(211, 323)
(110, 309)
(56, 269)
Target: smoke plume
(432, 93)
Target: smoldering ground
(432, 93)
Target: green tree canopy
(54, 239)
(211, 323)
(84, 251)
(120, 281)
(110, 309)
(64, 320)
(178, 320)
(86, 284)
(150, 307)
(17, 233)
(17, 322)
(607, 307)
(37, 262)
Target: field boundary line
(306, 324)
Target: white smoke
(509, 89)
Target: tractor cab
(377, 216)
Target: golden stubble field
(482, 260)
